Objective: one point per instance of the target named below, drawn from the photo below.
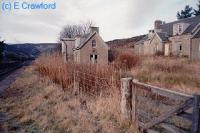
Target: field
(43, 100)
(178, 74)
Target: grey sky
(116, 18)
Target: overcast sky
(116, 18)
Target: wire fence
(93, 85)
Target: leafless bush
(123, 58)
(126, 60)
(159, 53)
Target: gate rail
(137, 96)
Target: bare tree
(71, 31)
(86, 26)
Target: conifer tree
(186, 13)
(197, 12)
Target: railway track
(7, 72)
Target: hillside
(128, 42)
(26, 51)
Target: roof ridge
(84, 42)
(181, 20)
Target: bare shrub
(112, 55)
(126, 60)
(159, 53)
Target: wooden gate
(151, 105)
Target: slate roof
(84, 39)
(67, 39)
(163, 36)
(168, 27)
(197, 35)
(142, 40)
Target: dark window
(91, 57)
(93, 43)
(180, 47)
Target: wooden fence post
(134, 102)
(196, 115)
(126, 98)
(76, 90)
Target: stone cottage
(88, 48)
(178, 38)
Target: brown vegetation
(95, 78)
(176, 73)
(126, 60)
(36, 104)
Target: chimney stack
(94, 29)
(157, 24)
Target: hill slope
(128, 42)
(27, 51)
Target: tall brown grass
(91, 78)
(53, 67)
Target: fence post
(126, 98)
(76, 84)
(134, 102)
(196, 114)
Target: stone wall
(180, 45)
(179, 28)
(153, 46)
(139, 49)
(67, 48)
(195, 49)
(101, 50)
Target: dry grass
(96, 78)
(177, 73)
(35, 104)
(53, 67)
